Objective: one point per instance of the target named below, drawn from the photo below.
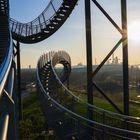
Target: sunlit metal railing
(50, 20)
(7, 96)
(8, 120)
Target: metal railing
(8, 120)
(8, 124)
(54, 15)
(110, 124)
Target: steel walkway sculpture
(59, 104)
(47, 23)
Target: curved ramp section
(47, 23)
(67, 114)
(4, 30)
(8, 120)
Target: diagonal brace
(106, 97)
(107, 16)
(106, 58)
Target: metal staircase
(46, 24)
(35, 31)
(8, 97)
(65, 127)
(60, 106)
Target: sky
(71, 36)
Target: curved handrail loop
(6, 64)
(47, 23)
(47, 76)
(7, 77)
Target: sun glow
(134, 31)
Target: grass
(133, 95)
(33, 123)
(102, 103)
(134, 109)
(115, 121)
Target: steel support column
(89, 59)
(125, 57)
(89, 54)
(19, 80)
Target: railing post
(103, 127)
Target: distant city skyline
(71, 36)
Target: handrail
(34, 20)
(129, 119)
(6, 65)
(89, 105)
(4, 127)
(13, 21)
(49, 60)
(81, 117)
(7, 81)
(47, 23)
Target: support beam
(89, 53)
(89, 60)
(106, 58)
(107, 98)
(125, 57)
(19, 79)
(107, 16)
